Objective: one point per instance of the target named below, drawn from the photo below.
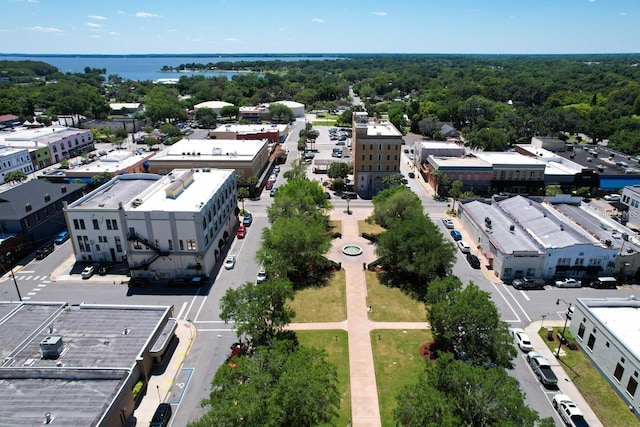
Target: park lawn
(365, 227)
(336, 226)
(601, 397)
(323, 304)
(338, 354)
(391, 304)
(397, 361)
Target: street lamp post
(14, 278)
(564, 328)
(348, 200)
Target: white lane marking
(507, 302)
(216, 330)
(25, 271)
(524, 295)
(184, 305)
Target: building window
(181, 243)
(78, 224)
(502, 175)
(579, 261)
(80, 243)
(118, 244)
(591, 342)
(170, 244)
(581, 330)
(370, 156)
(632, 386)
(191, 245)
(96, 226)
(112, 224)
(617, 374)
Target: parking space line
(508, 304)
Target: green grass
(601, 397)
(338, 354)
(391, 304)
(397, 361)
(365, 227)
(325, 304)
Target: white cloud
(282, 29)
(113, 33)
(592, 1)
(623, 14)
(231, 39)
(318, 20)
(96, 36)
(380, 13)
(40, 29)
(93, 25)
(121, 12)
(98, 17)
(147, 15)
(33, 1)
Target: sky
(319, 26)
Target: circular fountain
(352, 250)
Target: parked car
(612, 197)
(230, 262)
(541, 367)
(241, 232)
(88, 272)
(327, 195)
(349, 195)
(473, 261)
(62, 237)
(102, 270)
(162, 416)
(528, 283)
(138, 282)
(568, 283)
(522, 339)
(604, 283)
(464, 247)
(43, 252)
(448, 223)
(269, 185)
(456, 235)
(248, 219)
(272, 193)
(569, 411)
(262, 275)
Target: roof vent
(48, 418)
(47, 197)
(28, 207)
(561, 227)
(512, 228)
(126, 331)
(63, 189)
(136, 202)
(51, 347)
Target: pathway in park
(365, 410)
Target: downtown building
(376, 147)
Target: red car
(241, 232)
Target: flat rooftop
(211, 149)
(508, 158)
(120, 190)
(200, 189)
(621, 316)
(439, 144)
(114, 162)
(582, 155)
(95, 360)
(256, 128)
(43, 135)
(459, 162)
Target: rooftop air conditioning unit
(136, 202)
(51, 347)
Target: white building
(606, 329)
(296, 107)
(12, 160)
(63, 142)
(525, 237)
(162, 226)
(631, 198)
(216, 106)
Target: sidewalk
(160, 385)
(565, 385)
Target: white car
(88, 272)
(230, 262)
(568, 283)
(262, 275)
(522, 339)
(612, 197)
(569, 411)
(464, 247)
(448, 223)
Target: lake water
(141, 67)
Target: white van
(604, 283)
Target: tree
(338, 185)
(170, 130)
(454, 393)
(15, 176)
(395, 205)
(283, 385)
(280, 112)
(467, 321)
(552, 190)
(299, 197)
(101, 178)
(259, 312)
(243, 193)
(413, 252)
(338, 170)
(488, 139)
(455, 192)
(252, 181)
(297, 170)
(230, 111)
(208, 116)
(162, 103)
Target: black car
(349, 195)
(162, 416)
(473, 261)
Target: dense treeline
(494, 100)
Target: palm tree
(243, 193)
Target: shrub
(370, 237)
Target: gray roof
(13, 200)
(97, 357)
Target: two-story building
(12, 160)
(271, 132)
(62, 142)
